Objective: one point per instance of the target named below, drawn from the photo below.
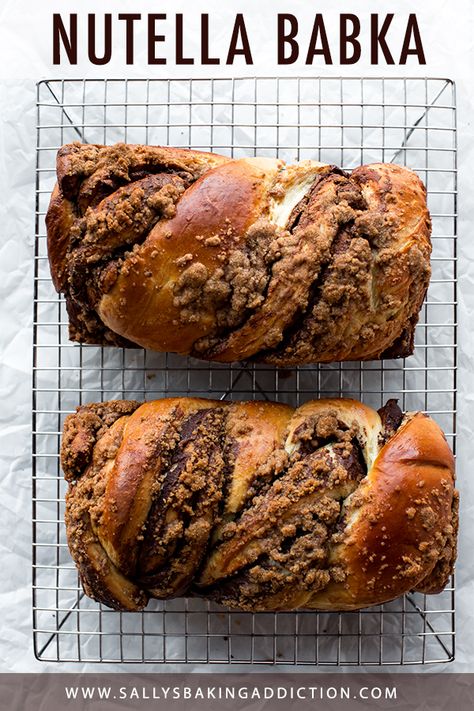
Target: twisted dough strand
(256, 505)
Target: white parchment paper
(25, 49)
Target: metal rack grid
(342, 121)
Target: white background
(26, 57)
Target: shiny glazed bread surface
(256, 505)
(228, 260)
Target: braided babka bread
(256, 505)
(228, 260)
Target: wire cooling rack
(342, 121)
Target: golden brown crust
(256, 505)
(211, 219)
(399, 521)
(228, 260)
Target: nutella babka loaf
(228, 260)
(256, 505)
